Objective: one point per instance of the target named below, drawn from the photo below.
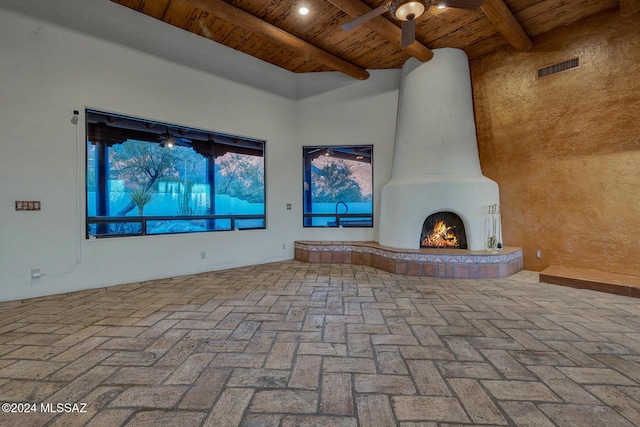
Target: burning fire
(441, 237)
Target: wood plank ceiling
(274, 31)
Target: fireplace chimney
(436, 167)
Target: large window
(338, 186)
(146, 177)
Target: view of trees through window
(145, 177)
(338, 186)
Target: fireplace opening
(443, 230)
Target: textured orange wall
(565, 149)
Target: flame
(441, 237)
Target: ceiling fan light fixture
(167, 140)
(407, 10)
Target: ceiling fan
(407, 11)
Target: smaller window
(338, 186)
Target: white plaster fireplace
(436, 167)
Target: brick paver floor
(296, 344)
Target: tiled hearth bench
(443, 263)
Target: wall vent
(558, 68)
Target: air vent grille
(558, 68)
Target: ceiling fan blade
(461, 4)
(408, 33)
(366, 17)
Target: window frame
(351, 220)
(212, 144)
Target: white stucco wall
(47, 70)
(333, 109)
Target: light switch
(25, 205)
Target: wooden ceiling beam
(507, 24)
(629, 7)
(257, 26)
(384, 27)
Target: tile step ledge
(596, 280)
(441, 263)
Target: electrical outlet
(538, 254)
(284, 246)
(203, 255)
(35, 273)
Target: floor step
(596, 280)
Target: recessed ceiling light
(303, 10)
